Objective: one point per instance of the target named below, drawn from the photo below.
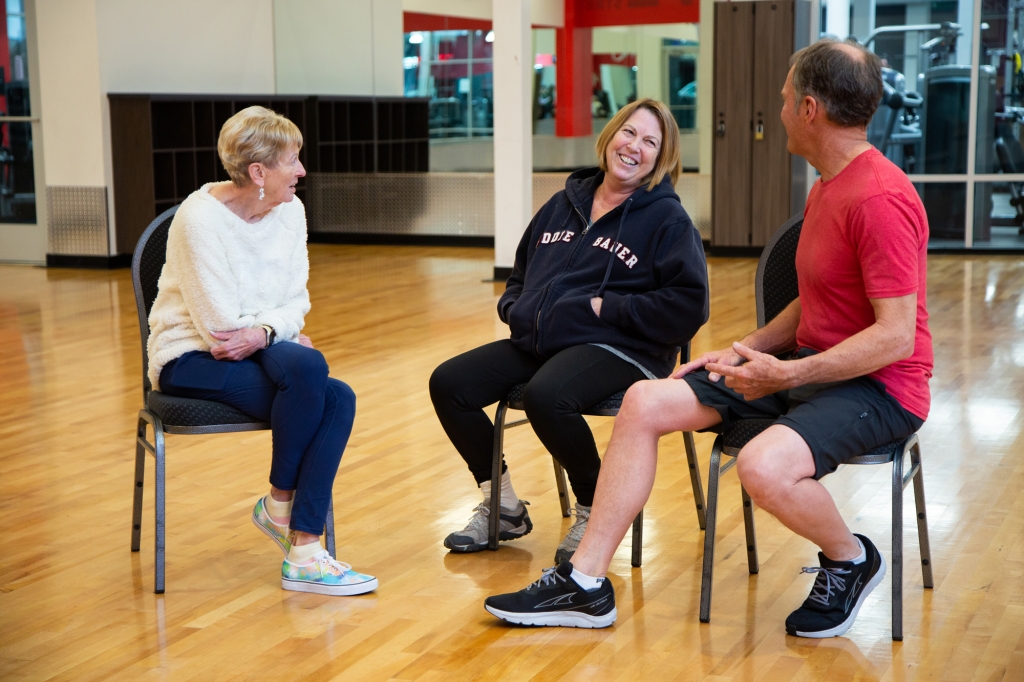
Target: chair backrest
(147, 264)
(775, 285)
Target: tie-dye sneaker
(274, 531)
(324, 575)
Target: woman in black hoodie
(609, 282)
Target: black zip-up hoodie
(644, 258)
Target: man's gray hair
(849, 86)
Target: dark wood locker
(751, 170)
(770, 161)
(734, 63)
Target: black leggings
(557, 392)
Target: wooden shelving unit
(164, 147)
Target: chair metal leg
(496, 458)
(160, 506)
(897, 546)
(638, 540)
(563, 489)
(922, 514)
(748, 524)
(698, 489)
(140, 475)
(329, 529)
(709, 532)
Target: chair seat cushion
(745, 430)
(883, 453)
(188, 412)
(515, 396)
(611, 404)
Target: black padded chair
(609, 407)
(775, 288)
(167, 414)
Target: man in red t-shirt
(843, 369)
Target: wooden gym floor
(76, 604)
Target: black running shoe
(473, 538)
(556, 599)
(838, 592)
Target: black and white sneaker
(473, 538)
(556, 599)
(839, 591)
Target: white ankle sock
(509, 499)
(587, 582)
(303, 554)
(278, 508)
(863, 556)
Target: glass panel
(615, 75)
(544, 80)
(453, 70)
(449, 45)
(1000, 215)
(17, 171)
(17, 174)
(483, 45)
(681, 75)
(412, 64)
(922, 122)
(945, 204)
(482, 88)
(449, 100)
(1001, 89)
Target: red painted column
(573, 89)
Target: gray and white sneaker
(473, 538)
(572, 540)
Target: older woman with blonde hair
(609, 281)
(226, 326)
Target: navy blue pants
(310, 415)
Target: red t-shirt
(865, 235)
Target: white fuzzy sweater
(223, 273)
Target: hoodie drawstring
(611, 252)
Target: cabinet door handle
(721, 129)
(759, 131)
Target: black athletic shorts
(838, 421)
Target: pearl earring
(261, 194)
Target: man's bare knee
(772, 463)
(638, 401)
(664, 406)
(760, 476)
(647, 406)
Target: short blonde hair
(668, 156)
(254, 135)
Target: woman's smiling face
(281, 179)
(633, 151)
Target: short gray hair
(849, 86)
(254, 135)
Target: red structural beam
(592, 13)
(420, 21)
(417, 21)
(573, 74)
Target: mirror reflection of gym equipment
(922, 123)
